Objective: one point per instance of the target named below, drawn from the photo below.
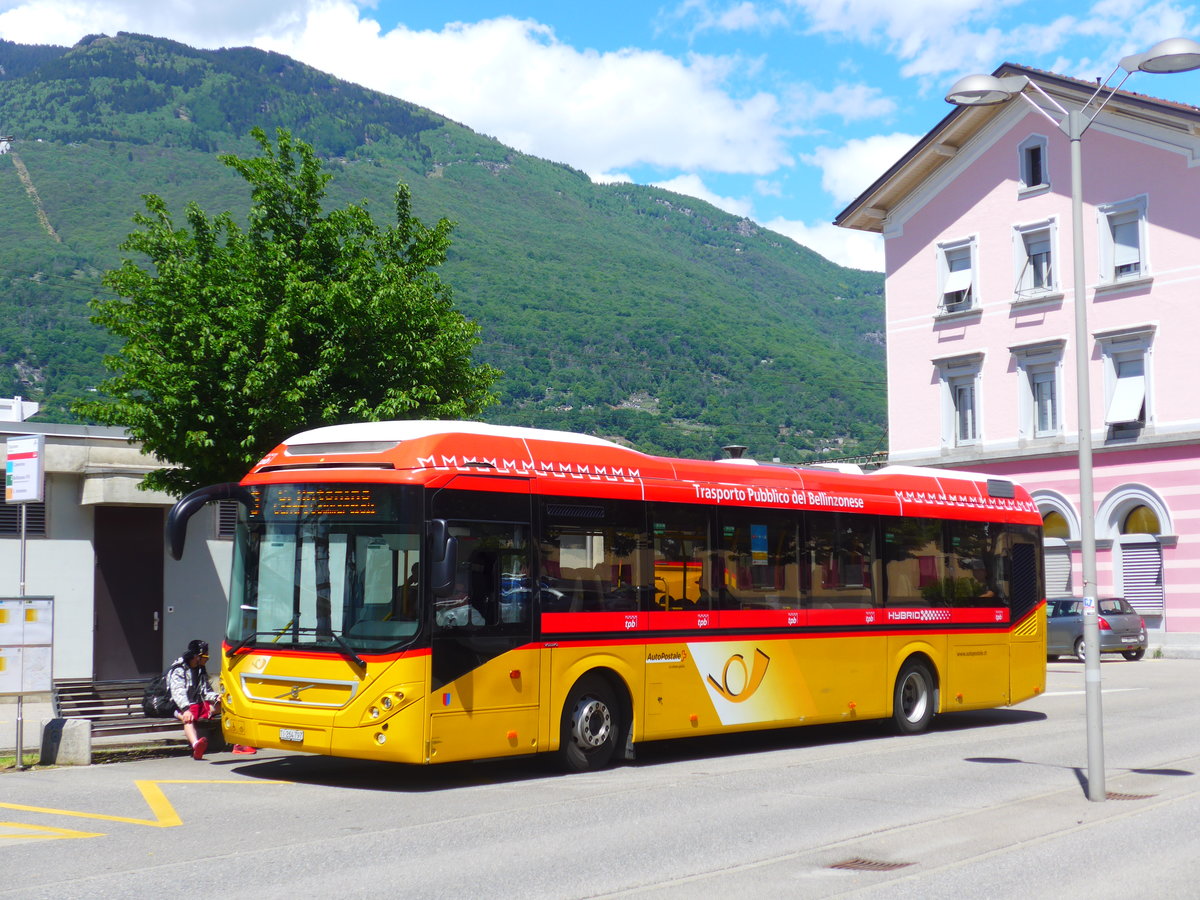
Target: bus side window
(761, 560)
(974, 554)
(684, 564)
(840, 551)
(590, 556)
(915, 562)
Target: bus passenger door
(485, 671)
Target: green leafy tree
(235, 338)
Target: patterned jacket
(188, 685)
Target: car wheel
(1134, 655)
(591, 726)
(912, 707)
(1081, 649)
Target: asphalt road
(989, 804)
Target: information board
(26, 645)
(23, 481)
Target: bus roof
(378, 451)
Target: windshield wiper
(242, 644)
(349, 651)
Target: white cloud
(610, 177)
(851, 168)
(767, 188)
(936, 37)
(705, 16)
(213, 23)
(850, 102)
(514, 80)
(856, 249)
(509, 78)
(694, 186)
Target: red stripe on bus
(701, 620)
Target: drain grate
(858, 864)
(1112, 795)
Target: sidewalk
(37, 709)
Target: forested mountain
(625, 311)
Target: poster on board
(26, 640)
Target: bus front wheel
(912, 709)
(591, 726)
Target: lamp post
(1172, 55)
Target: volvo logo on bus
(293, 693)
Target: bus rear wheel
(912, 709)
(591, 726)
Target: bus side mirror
(443, 555)
(177, 519)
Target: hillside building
(976, 221)
(122, 607)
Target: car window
(1115, 607)
(1061, 608)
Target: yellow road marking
(43, 832)
(164, 813)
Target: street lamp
(1172, 55)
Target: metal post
(20, 761)
(1076, 124)
(21, 566)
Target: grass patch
(8, 761)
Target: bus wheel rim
(914, 697)
(592, 723)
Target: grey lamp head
(985, 90)
(1178, 54)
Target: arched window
(1055, 525)
(1141, 520)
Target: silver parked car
(1122, 629)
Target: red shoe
(243, 750)
(199, 747)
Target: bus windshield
(322, 566)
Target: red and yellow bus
(432, 591)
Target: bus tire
(591, 726)
(913, 701)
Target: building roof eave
(869, 211)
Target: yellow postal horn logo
(738, 682)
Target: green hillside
(626, 311)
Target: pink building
(976, 221)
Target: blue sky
(778, 110)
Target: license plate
(291, 734)
(1128, 640)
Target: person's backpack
(156, 701)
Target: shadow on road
(385, 776)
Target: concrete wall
(87, 467)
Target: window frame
(1024, 290)
(1036, 362)
(956, 373)
(1119, 348)
(1027, 185)
(1122, 213)
(966, 417)
(949, 253)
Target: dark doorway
(127, 639)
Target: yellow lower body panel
(486, 733)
